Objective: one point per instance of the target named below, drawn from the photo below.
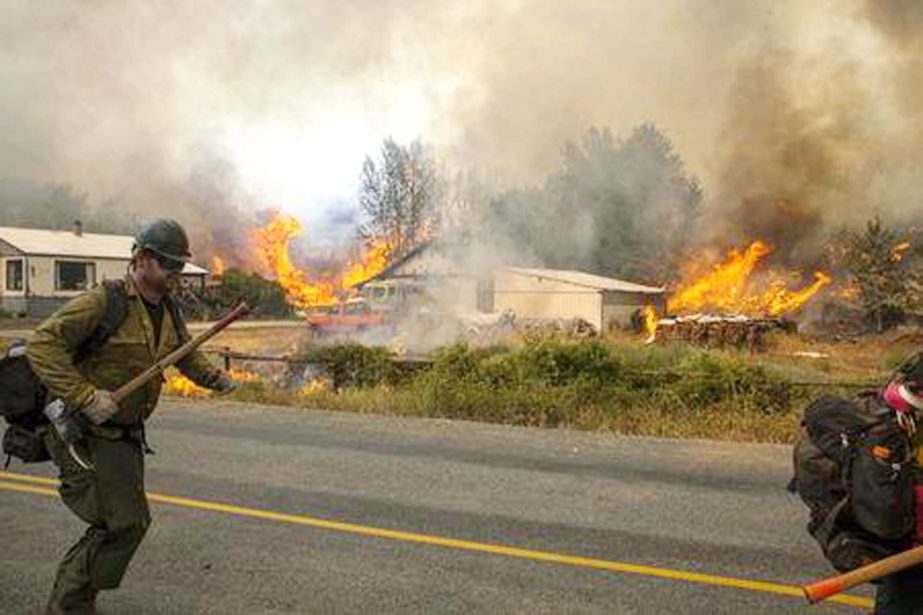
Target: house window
(74, 275)
(14, 275)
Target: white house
(41, 269)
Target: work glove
(223, 385)
(100, 407)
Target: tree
(398, 195)
(267, 297)
(623, 208)
(883, 269)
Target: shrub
(353, 365)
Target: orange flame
(243, 376)
(728, 287)
(317, 385)
(649, 313)
(782, 301)
(897, 252)
(218, 267)
(272, 243)
(184, 387)
(724, 286)
(303, 288)
(373, 262)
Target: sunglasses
(170, 265)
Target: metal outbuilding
(545, 294)
(530, 293)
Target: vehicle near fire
(392, 295)
(351, 316)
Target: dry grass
(264, 340)
(556, 383)
(719, 422)
(672, 391)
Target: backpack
(24, 396)
(854, 468)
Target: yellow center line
(466, 545)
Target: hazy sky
(131, 99)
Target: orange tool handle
(823, 589)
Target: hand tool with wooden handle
(64, 419)
(179, 354)
(823, 589)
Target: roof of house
(390, 269)
(579, 278)
(41, 242)
(193, 269)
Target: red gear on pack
(902, 397)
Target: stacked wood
(721, 331)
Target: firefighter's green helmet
(165, 237)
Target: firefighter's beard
(164, 283)
(168, 284)
(155, 280)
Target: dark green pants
(901, 594)
(112, 501)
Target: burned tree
(398, 195)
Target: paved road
(687, 506)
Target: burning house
(41, 269)
(433, 269)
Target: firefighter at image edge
(902, 593)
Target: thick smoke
(795, 116)
(136, 104)
(823, 126)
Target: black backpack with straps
(854, 468)
(24, 396)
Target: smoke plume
(821, 127)
(795, 116)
